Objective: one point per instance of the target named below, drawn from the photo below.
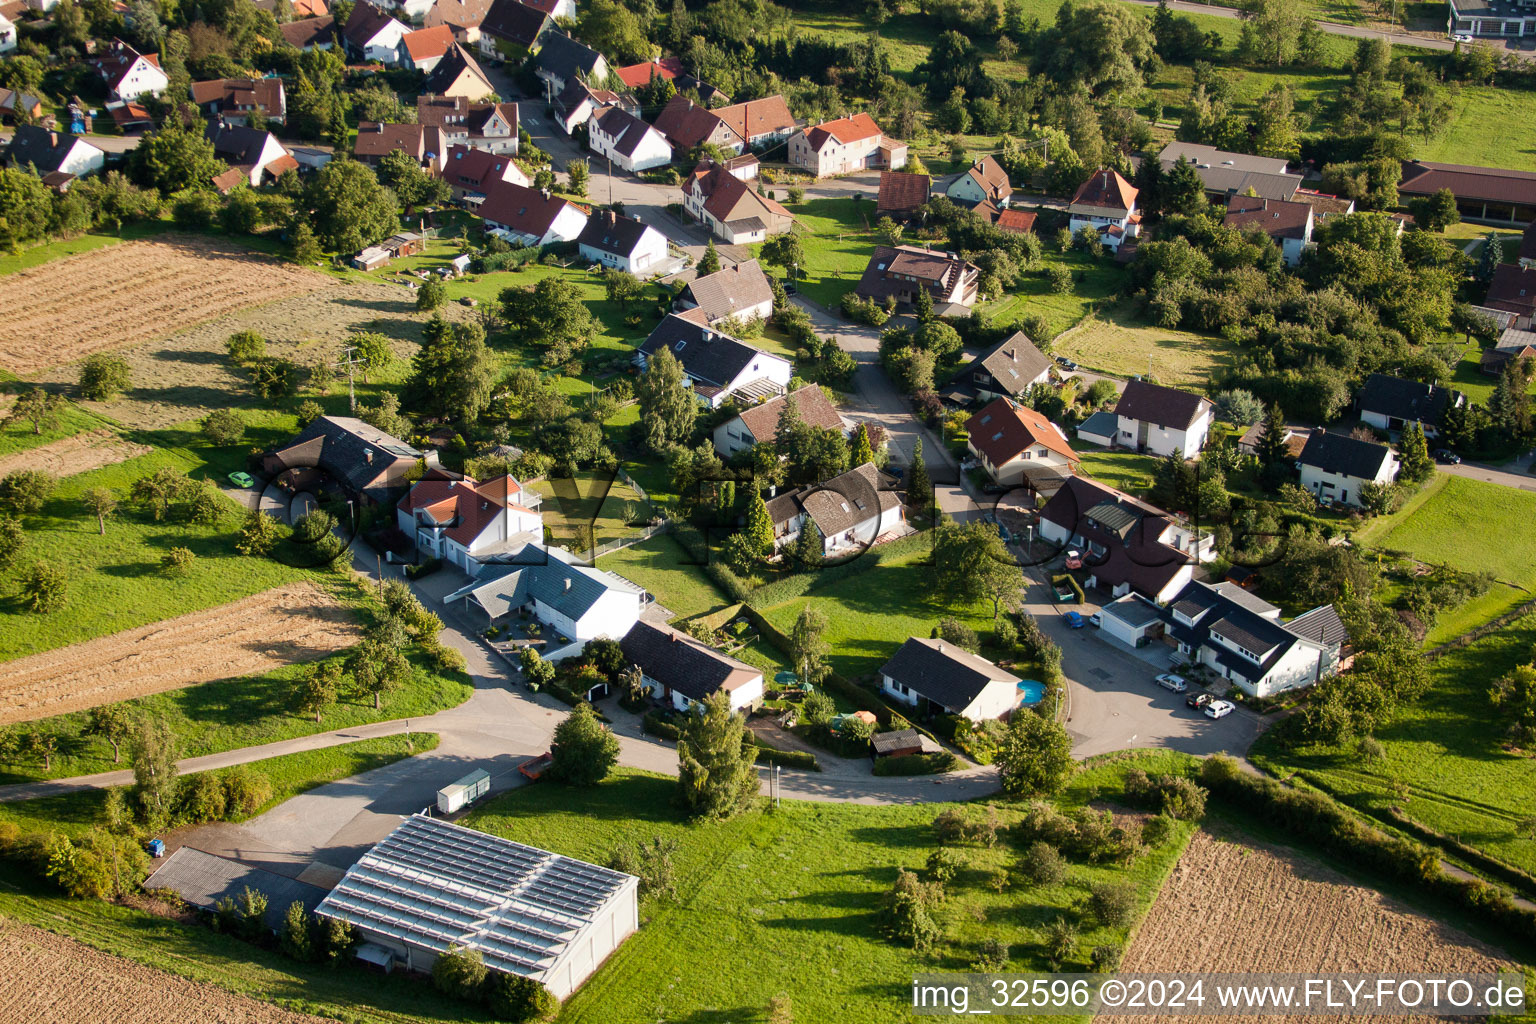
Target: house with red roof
(461, 521)
(844, 146)
(424, 48)
(526, 216)
(1015, 445)
(985, 181)
(730, 208)
(473, 172)
(753, 123)
(1106, 202)
(1289, 225)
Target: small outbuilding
(1132, 620)
(903, 742)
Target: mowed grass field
(1446, 749)
(838, 238)
(663, 567)
(1115, 344)
(792, 894)
(1124, 471)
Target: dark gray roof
(611, 233)
(571, 590)
(943, 673)
(1321, 624)
(1344, 455)
(683, 663)
(515, 22)
(203, 880)
(904, 739)
(565, 58)
(341, 447)
(707, 355)
(729, 290)
(1165, 407)
(850, 499)
(1134, 610)
(1116, 517)
(365, 22)
(1102, 423)
(236, 144)
(39, 147)
(1014, 363)
(626, 130)
(1210, 611)
(1137, 557)
(1407, 400)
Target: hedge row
(917, 764)
(769, 754)
(655, 725)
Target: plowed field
(70, 455)
(108, 298)
(49, 979)
(1244, 907)
(298, 622)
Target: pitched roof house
(372, 35)
(376, 140)
(1482, 193)
(461, 521)
(760, 423)
(1229, 174)
(128, 73)
(685, 671)
(491, 127)
(1242, 639)
(732, 211)
(752, 123)
(1126, 544)
(1016, 445)
(1335, 466)
(716, 365)
(1289, 225)
(901, 271)
(1162, 420)
(669, 69)
(252, 152)
(1018, 222)
(561, 61)
(530, 217)
(1513, 289)
(1106, 202)
(1009, 368)
(310, 33)
(1391, 403)
(234, 98)
(13, 103)
(936, 677)
(617, 135)
(457, 73)
(738, 292)
(851, 511)
(985, 181)
(623, 243)
(473, 172)
(1527, 255)
(509, 28)
(364, 459)
(844, 146)
(902, 194)
(463, 16)
(53, 152)
(422, 49)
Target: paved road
(1515, 473)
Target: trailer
(464, 792)
(534, 767)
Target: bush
(655, 725)
(906, 911)
(297, 938)
(1154, 832)
(246, 347)
(25, 490)
(202, 798)
(459, 973)
(177, 561)
(103, 376)
(1113, 903)
(223, 427)
(992, 958)
(426, 568)
(943, 865)
(245, 792)
(1043, 865)
(917, 764)
(950, 827)
(1105, 958)
(512, 997)
(1172, 795)
(864, 311)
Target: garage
(1132, 620)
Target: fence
(619, 543)
(633, 483)
(1481, 631)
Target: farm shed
(430, 885)
(203, 880)
(902, 742)
(1098, 429)
(371, 258)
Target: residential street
(1515, 473)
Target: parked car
(1074, 620)
(1096, 619)
(1074, 559)
(1169, 681)
(1219, 709)
(1198, 700)
(1461, 37)
(1069, 364)
(1447, 456)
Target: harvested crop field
(1240, 906)
(50, 979)
(110, 298)
(70, 455)
(183, 376)
(298, 622)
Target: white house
(575, 603)
(52, 151)
(936, 677)
(760, 424)
(717, 365)
(730, 208)
(1160, 421)
(845, 146)
(1391, 403)
(623, 243)
(373, 35)
(685, 671)
(7, 34)
(1289, 225)
(851, 511)
(461, 521)
(130, 74)
(615, 134)
(1241, 638)
(984, 182)
(1014, 443)
(250, 151)
(1335, 466)
(528, 216)
(739, 292)
(1106, 202)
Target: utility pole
(348, 360)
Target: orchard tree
(377, 669)
(372, 352)
(551, 315)
(318, 687)
(44, 587)
(431, 296)
(971, 563)
(112, 723)
(351, 209)
(622, 287)
(103, 376)
(259, 535)
(223, 427)
(37, 407)
(784, 251)
(715, 777)
(175, 156)
(24, 491)
(668, 408)
(1035, 758)
(584, 749)
(158, 490)
(452, 373)
(100, 502)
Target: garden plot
(110, 298)
(72, 455)
(249, 637)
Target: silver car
(1169, 681)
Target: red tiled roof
(757, 117)
(902, 192)
(845, 130)
(1017, 221)
(473, 505)
(636, 75)
(1513, 288)
(525, 210)
(991, 178)
(1001, 430)
(426, 43)
(1489, 184)
(685, 123)
(1107, 190)
(811, 404)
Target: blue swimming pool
(1031, 691)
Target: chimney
(544, 192)
(368, 454)
(567, 584)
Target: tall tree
(809, 549)
(112, 723)
(452, 373)
(1490, 257)
(1413, 450)
(808, 646)
(402, 174)
(153, 752)
(351, 209)
(759, 528)
(715, 777)
(1435, 212)
(175, 156)
(376, 669)
(1035, 758)
(668, 408)
(709, 263)
(971, 563)
(551, 315)
(861, 450)
(919, 487)
(318, 688)
(37, 407)
(584, 749)
(100, 502)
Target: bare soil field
(49, 979)
(298, 622)
(71, 455)
(1240, 906)
(110, 298)
(182, 376)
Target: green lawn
(115, 581)
(592, 501)
(1446, 748)
(1093, 282)
(1454, 527)
(1116, 344)
(1125, 471)
(290, 775)
(72, 420)
(661, 566)
(870, 614)
(792, 894)
(838, 238)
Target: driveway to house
(1515, 473)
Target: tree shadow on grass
(243, 701)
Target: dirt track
(70, 455)
(109, 298)
(298, 622)
(1245, 907)
(49, 979)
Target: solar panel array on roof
(436, 885)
